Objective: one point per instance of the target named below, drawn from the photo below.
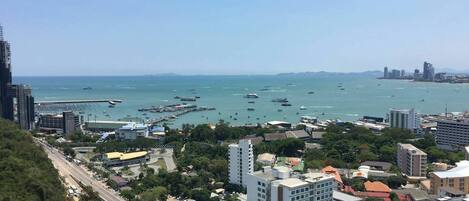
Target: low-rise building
(298, 134)
(266, 159)
(376, 186)
(121, 182)
(104, 126)
(132, 131)
(122, 159)
(269, 137)
(454, 180)
(278, 184)
(378, 165)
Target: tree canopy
(25, 171)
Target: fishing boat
(311, 92)
(87, 88)
(251, 109)
(280, 100)
(252, 102)
(251, 95)
(286, 104)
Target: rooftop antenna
(446, 110)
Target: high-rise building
(452, 134)
(411, 160)
(395, 74)
(278, 184)
(241, 162)
(6, 102)
(402, 73)
(428, 71)
(24, 105)
(386, 73)
(404, 118)
(9, 92)
(71, 123)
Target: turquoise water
(362, 96)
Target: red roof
(331, 170)
(376, 186)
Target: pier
(58, 102)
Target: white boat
(303, 107)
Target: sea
(346, 97)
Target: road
(67, 168)
(168, 158)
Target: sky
(128, 37)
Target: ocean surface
(361, 95)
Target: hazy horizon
(55, 38)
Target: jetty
(58, 102)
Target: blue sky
(127, 37)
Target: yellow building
(121, 159)
(453, 181)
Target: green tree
(26, 173)
(68, 151)
(128, 194)
(159, 193)
(395, 181)
(89, 195)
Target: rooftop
(134, 126)
(461, 170)
(125, 156)
(297, 134)
(412, 148)
(331, 170)
(376, 186)
(266, 157)
(275, 136)
(337, 195)
(382, 165)
(292, 182)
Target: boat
(342, 89)
(252, 102)
(279, 110)
(111, 106)
(87, 88)
(303, 107)
(311, 92)
(251, 95)
(251, 109)
(286, 104)
(188, 99)
(280, 100)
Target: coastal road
(67, 168)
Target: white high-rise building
(278, 184)
(404, 118)
(241, 162)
